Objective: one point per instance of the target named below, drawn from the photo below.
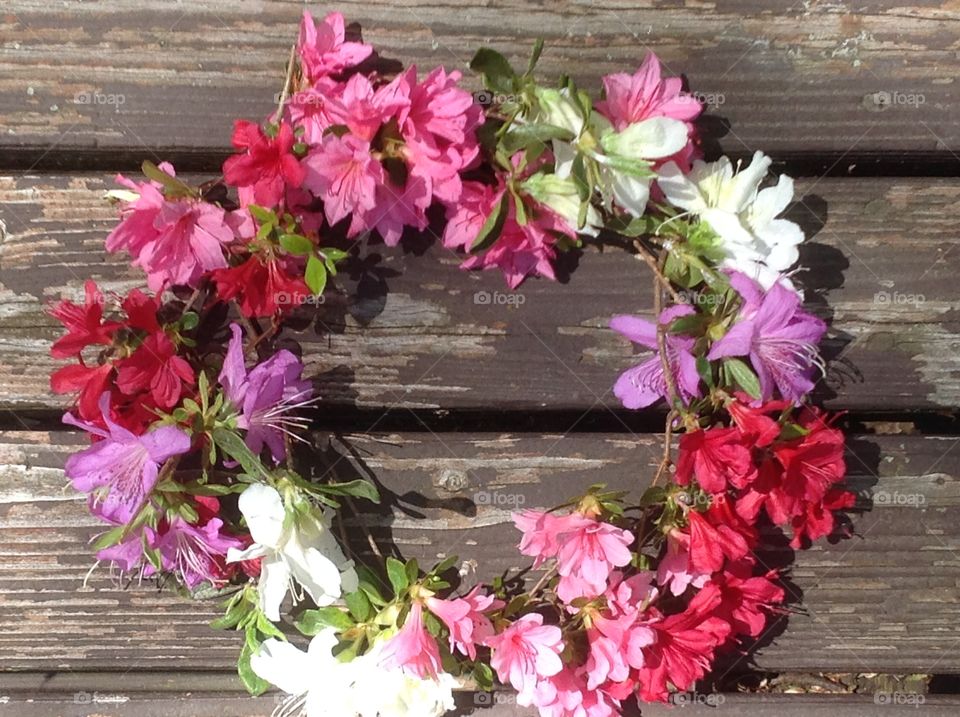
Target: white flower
(328, 687)
(560, 195)
(742, 215)
(301, 549)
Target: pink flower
(413, 648)
(195, 553)
(589, 550)
(465, 619)
(345, 176)
(541, 533)
(136, 227)
(322, 48)
(126, 465)
(265, 166)
(566, 694)
(674, 573)
(526, 652)
(645, 94)
(627, 596)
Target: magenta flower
(777, 335)
(197, 554)
(323, 50)
(124, 464)
(645, 384)
(413, 648)
(265, 396)
(465, 619)
(526, 652)
(342, 172)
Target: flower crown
(192, 405)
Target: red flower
(261, 288)
(155, 366)
(267, 166)
(755, 424)
(84, 324)
(817, 520)
(708, 544)
(683, 650)
(141, 311)
(89, 381)
(747, 599)
(716, 457)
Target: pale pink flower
(542, 533)
(316, 109)
(675, 573)
(566, 695)
(627, 596)
(413, 649)
(465, 619)
(323, 50)
(526, 652)
(589, 551)
(466, 216)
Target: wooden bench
(461, 408)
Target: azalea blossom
(589, 550)
(777, 335)
(525, 652)
(718, 457)
(263, 285)
(266, 166)
(265, 396)
(412, 648)
(743, 216)
(645, 384)
(302, 551)
(120, 470)
(322, 47)
(196, 553)
(85, 325)
(465, 619)
(326, 686)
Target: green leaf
(535, 55)
(444, 565)
(111, 537)
(315, 275)
(629, 226)
(263, 216)
(359, 488)
(654, 495)
(268, 628)
(705, 369)
(498, 75)
(691, 325)
(397, 573)
(296, 244)
(234, 447)
(790, 431)
(744, 376)
(359, 605)
(313, 621)
(237, 608)
(172, 186)
(412, 569)
(483, 674)
(490, 231)
(189, 321)
(523, 135)
(255, 684)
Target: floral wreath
(192, 406)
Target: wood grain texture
(410, 330)
(141, 703)
(886, 600)
(788, 76)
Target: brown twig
(544, 579)
(366, 531)
(657, 269)
(285, 92)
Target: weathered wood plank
(414, 331)
(886, 600)
(789, 76)
(203, 704)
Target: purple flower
(265, 396)
(645, 384)
(125, 464)
(778, 336)
(128, 553)
(195, 553)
